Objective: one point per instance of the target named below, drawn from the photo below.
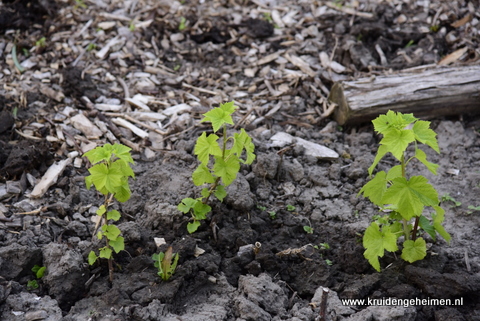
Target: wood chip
(302, 65)
(84, 125)
(137, 131)
(50, 177)
(454, 56)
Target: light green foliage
(447, 198)
(39, 271)
(290, 208)
(166, 263)
(220, 160)
(42, 42)
(109, 174)
(405, 198)
(273, 214)
(308, 229)
(473, 209)
(183, 24)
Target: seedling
(308, 229)
(261, 208)
(405, 198)
(448, 198)
(183, 24)
(219, 162)
(328, 262)
(290, 208)
(39, 271)
(42, 42)
(273, 214)
(91, 46)
(166, 263)
(109, 175)
(473, 209)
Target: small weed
(261, 208)
(324, 246)
(79, 4)
(409, 44)
(166, 263)
(308, 229)
(32, 285)
(183, 24)
(473, 209)
(273, 214)
(91, 46)
(39, 271)
(447, 198)
(328, 262)
(434, 28)
(290, 208)
(131, 26)
(40, 43)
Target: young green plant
(166, 263)
(405, 198)
(109, 174)
(220, 161)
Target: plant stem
(406, 230)
(415, 227)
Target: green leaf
(111, 232)
(382, 150)
(92, 258)
(422, 157)
(243, 141)
(409, 197)
(425, 224)
(99, 154)
(438, 218)
(101, 210)
(122, 167)
(99, 235)
(397, 141)
(202, 175)
(113, 215)
(105, 252)
(425, 135)
(122, 192)
(220, 115)
(117, 244)
(414, 250)
(375, 188)
(105, 178)
(228, 169)
(206, 146)
(122, 152)
(205, 192)
(186, 205)
(193, 226)
(88, 181)
(394, 172)
(392, 120)
(200, 210)
(220, 192)
(376, 242)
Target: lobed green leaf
(382, 150)
(425, 224)
(220, 115)
(105, 253)
(220, 192)
(414, 250)
(425, 135)
(113, 215)
(111, 232)
(397, 141)
(122, 152)
(206, 146)
(375, 188)
(202, 175)
(422, 157)
(409, 197)
(186, 205)
(376, 242)
(117, 244)
(438, 218)
(92, 258)
(193, 226)
(227, 169)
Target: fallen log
(427, 93)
